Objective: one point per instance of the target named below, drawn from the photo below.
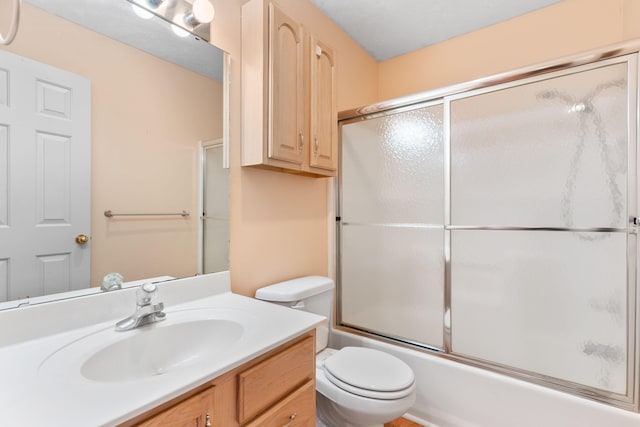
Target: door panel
(4, 279)
(215, 251)
(4, 87)
(324, 151)
(286, 91)
(4, 175)
(52, 201)
(45, 131)
(55, 272)
(392, 229)
(53, 100)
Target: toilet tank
(313, 294)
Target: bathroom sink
(187, 338)
(158, 350)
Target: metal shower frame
(627, 52)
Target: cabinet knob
(291, 419)
(316, 145)
(207, 421)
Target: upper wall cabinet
(289, 115)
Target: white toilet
(355, 386)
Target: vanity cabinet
(276, 389)
(289, 113)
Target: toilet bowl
(365, 388)
(355, 386)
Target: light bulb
(177, 30)
(141, 12)
(202, 12)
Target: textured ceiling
(388, 28)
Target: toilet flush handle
(298, 305)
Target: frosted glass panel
(392, 281)
(550, 153)
(392, 168)
(215, 252)
(216, 246)
(216, 194)
(547, 302)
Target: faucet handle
(111, 282)
(146, 293)
(149, 287)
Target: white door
(45, 163)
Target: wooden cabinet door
(264, 384)
(286, 88)
(324, 116)
(196, 411)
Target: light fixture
(143, 8)
(13, 26)
(141, 12)
(202, 12)
(184, 16)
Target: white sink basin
(187, 338)
(159, 350)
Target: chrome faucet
(146, 311)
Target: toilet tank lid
(295, 289)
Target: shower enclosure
(495, 223)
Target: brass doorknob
(82, 239)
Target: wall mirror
(144, 101)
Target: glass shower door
(392, 229)
(215, 209)
(540, 240)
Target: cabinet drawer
(296, 410)
(270, 381)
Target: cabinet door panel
(285, 88)
(264, 384)
(189, 413)
(324, 116)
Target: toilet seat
(369, 373)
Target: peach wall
(562, 29)
(279, 221)
(144, 147)
(631, 19)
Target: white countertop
(34, 391)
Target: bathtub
(452, 394)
